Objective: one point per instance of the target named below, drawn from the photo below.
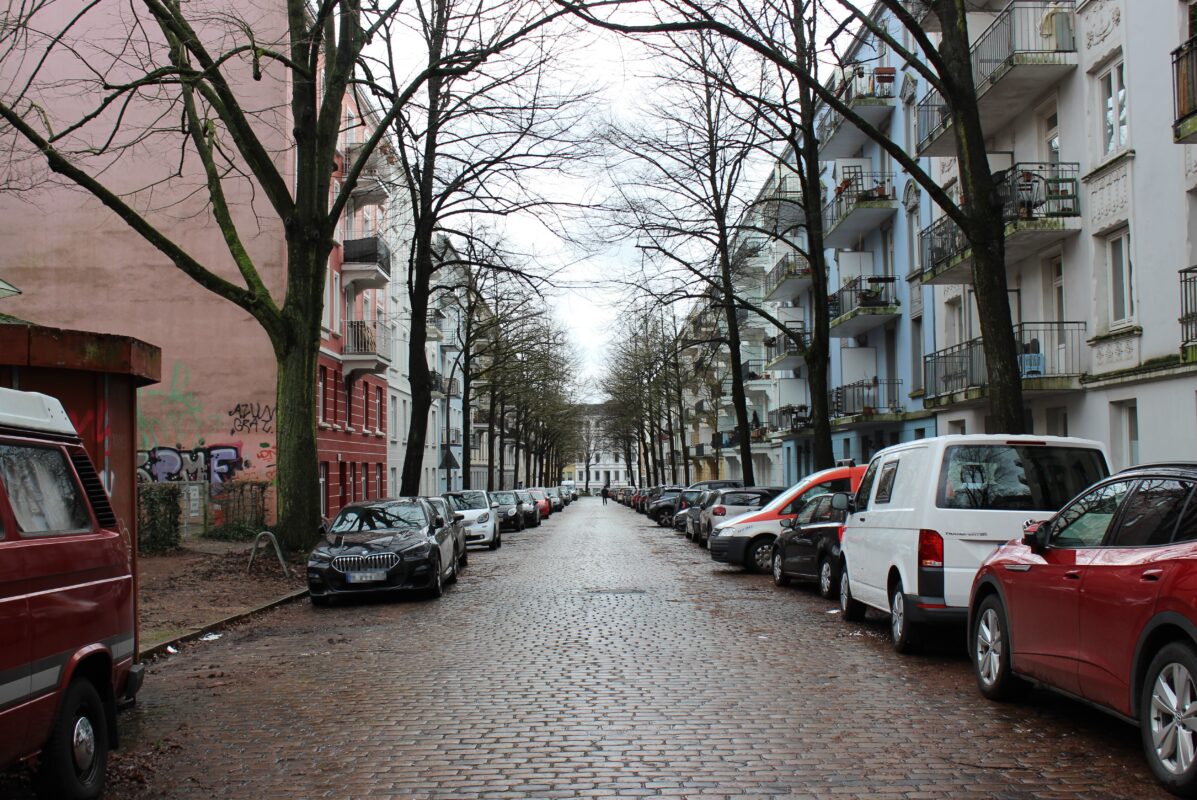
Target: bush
(238, 510)
(158, 516)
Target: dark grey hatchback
(383, 546)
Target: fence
(1047, 349)
(171, 512)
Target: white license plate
(365, 577)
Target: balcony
(862, 202)
(452, 387)
(782, 210)
(1040, 205)
(789, 276)
(781, 352)
(437, 384)
(451, 436)
(757, 380)
(1184, 93)
(865, 398)
(366, 348)
(378, 156)
(1028, 48)
(789, 419)
(370, 189)
(366, 263)
(1188, 314)
(862, 304)
(479, 418)
(433, 321)
(1050, 360)
(449, 333)
(870, 94)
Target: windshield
(524, 497)
(505, 498)
(466, 501)
(539, 495)
(392, 516)
(1016, 477)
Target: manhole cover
(615, 591)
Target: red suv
(66, 603)
(1100, 602)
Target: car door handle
(1072, 575)
(1151, 575)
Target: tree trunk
(297, 473)
(503, 443)
(421, 379)
(490, 441)
(467, 424)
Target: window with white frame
(1121, 277)
(1114, 121)
(394, 419)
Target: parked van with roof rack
(66, 603)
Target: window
(379, 470)
(394, 427)
(365, 406)
(320, 382)
(1122, 294)
(365, 481)
(394, 481)
(335, 301)
(807, 513)
(380, 422)
(1112, 85)
(324, 488)
(885, 483)
(1151, 513)
(866, 486)
(916, 349)
(42, 490)
(1051, 138)
(1003, 477)
(1084, 523)
(1057, 273)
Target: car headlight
(320, 557)
(483, 518)
(511, 512)
(418, 550)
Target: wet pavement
(601, 656)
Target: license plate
(365, 577)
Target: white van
(927, 513)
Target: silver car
(723, 504)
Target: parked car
(929, 512)
(634, 500)
(67, 654)
(1097, 602)
(749, 539)
(648, 497)
(477, 510)
(662, 508)
(554, 495)
(689, 496)
(809, 546)
(728, 541)
(509, 512)
(378, 546)
(716, 484)
(569, 489)
(543, 504)
(693, 513)
(456, 524)
(529, 508)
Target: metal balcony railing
(1031, 190)
(753, 369)
(875, 291)
(1184, 80)
(874, 396)
(1188, 306)
(856, 188)
(859, 83)
(1024, 27)
(368, 250)
(1046, 349)
(788, 266)
(451, 436)
(789, 418)
(451, 387)
(783, 344)
(436, 381)
(367, 337)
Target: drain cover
(616, 591)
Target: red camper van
(66, 603)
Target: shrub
(158, 516)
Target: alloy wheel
(1174, 718)
(989, 647)
(897, 616)
(825, 578)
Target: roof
(23, 344)
(33, 411)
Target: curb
(159, 649)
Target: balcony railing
(1026, 191)
(1184, 91)
(876, 291)
(789, 418)
(860, 83)
(790, 265)
(1046, 350)
(753, 369)
(783, 344)
(1024, 28)
(875, 396)
(1188, 307)
(436, 382)
(451, 387)
(368, 250)
(856, 188)
(451, 436)
(367, 337)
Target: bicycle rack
(277, 551)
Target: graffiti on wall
(215, 463)
(174, 413)
(251, 417)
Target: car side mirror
(842, 501)
(438, 521)
(494, 505)
(458, 517)
(322, 530)
(1034, 534)
(788, 522)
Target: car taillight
(930, 549)
(718, 511)
(841, 533)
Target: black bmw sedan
(383, 546)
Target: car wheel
(779, 576)
(1167, 703)
(495, 542)
(851, 610)
(75, 759)
(901, 633)
(319, 600)
(759, 555)
(991, 652)
(827, 587)
(464, 559)
(498, 539)
(437, 589)
(452, 575)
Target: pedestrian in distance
(606, 494)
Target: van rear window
(1001, 477)
(41, 490)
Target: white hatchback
(928, 512)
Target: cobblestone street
(600, 656)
